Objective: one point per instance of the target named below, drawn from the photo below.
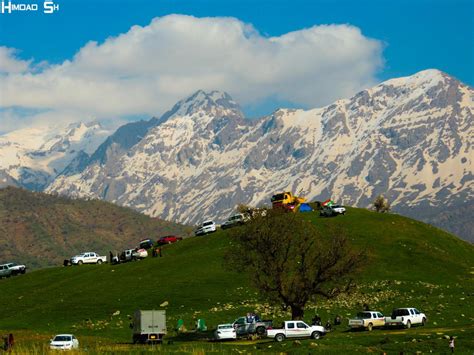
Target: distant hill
(42, 230)
(409, 264)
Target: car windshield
(62, 338)
(235, 217)
(11, 265)
(205, 224)
(336, 206)
(364, 315)
(226, 326)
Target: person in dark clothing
(337, 320)
(154, 253)
(366, 307)
(111, 257)
(159, 252)
(316, 320)
(10, 341)
(328, 326)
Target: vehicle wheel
(316, 335)
(99, 261)
(370, 327)
(260, 330)
(279, 337)
(79, 262)
(423, 321)
(23, 271)
(408, 325)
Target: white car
(88, 258)
(64, 342)
(367, 320)
(225, 331)
(339, 209)
(405, 317)
(17, 269)
(235, 220)
(206, 227)
(296, 329)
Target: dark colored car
(327, 211)
(146, 244)
(169, 239)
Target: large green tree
(291, 261)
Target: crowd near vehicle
(169, 239)
(367, 320)
(5, 271)
(225, 331)
(235, 220)
(205, 228)
(149, 326)
(17, 269)
(64, 342)
(405, 317)
(251, 325)
(88, 258)
(287, 201)
(296, 329)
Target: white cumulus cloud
(146, 70)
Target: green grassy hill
(38, 229)
(410, 264)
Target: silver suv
(5, 271)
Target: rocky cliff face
(410, 139)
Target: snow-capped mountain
(410, 139)
(33, 157)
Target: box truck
(149, 326)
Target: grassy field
(411, 264)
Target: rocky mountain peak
(215, 103)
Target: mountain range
(410, 139)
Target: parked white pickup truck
(88, 258)
(296, 329)
(405, 317)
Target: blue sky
(413, 35)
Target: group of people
(317, 321)
(252, 317)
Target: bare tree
(381, 204)
(291, 261)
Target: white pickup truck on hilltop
(296, 329)
(88, 258)
(405, 317)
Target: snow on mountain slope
(32, 157)
(408, 138)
